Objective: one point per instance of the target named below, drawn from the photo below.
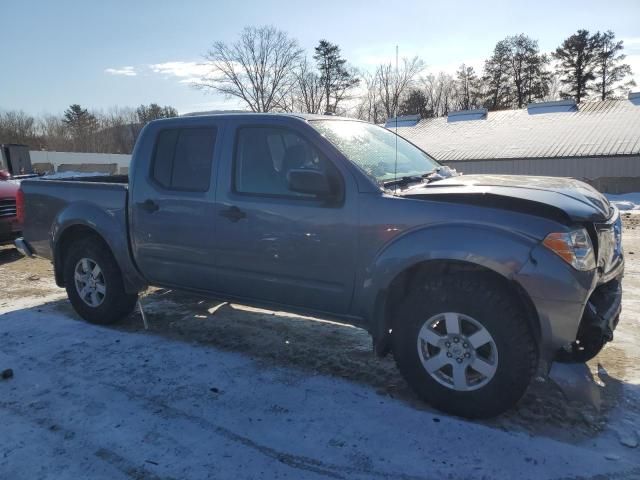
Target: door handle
(149, 205)
(233, 214)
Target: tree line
(81, 130)
(268, 71)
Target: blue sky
(106, 53)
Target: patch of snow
(443, 172)
(628, 438)
(29, 301)
(73, 174)
(626, 202)
(121, 402)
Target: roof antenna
(397, 100)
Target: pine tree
(336, 78)
(497, 77)
(415, 104)
(81, 124)
(516, 73)
(468, 87)
(528, 69)
(610, 70)
(578, 57)
(153, 111)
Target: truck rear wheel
(94, 283)
(464, 345)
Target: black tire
(116, 303)
(492, 306)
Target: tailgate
(50, 205)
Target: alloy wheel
(457, 351)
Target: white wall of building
(576, 167)
(59, 158)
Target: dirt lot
(594, 407)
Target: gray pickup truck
(475, 283)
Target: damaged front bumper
(602, 313)
(577, 311)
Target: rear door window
(183, 157)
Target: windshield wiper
(402, 181)
(407, 180)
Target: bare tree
(118, 130)
(441, 93)
(53, 134)
(555, 88)
(369, 107)
(79, 129)
(392, 85)
(17, 127)
(345, 89)
(257, 69)
(310, 91)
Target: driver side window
(264, 156)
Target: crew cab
(474, 283)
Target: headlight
(573, 247)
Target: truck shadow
(571, 406)
(9, 254)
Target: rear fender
(110, 225)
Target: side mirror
(311, 182)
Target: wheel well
(403, 282)
(69, 236)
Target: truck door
(172, 205)
(276, 245)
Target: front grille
(7, 207)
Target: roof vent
(403, 121)
(558, 106)
(461, 115)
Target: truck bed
(52, 203)
(89, 178)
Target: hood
(8, 188)
(546, 196)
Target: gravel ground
(594, 407)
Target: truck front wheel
(94, 282)
(464, 345)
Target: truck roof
(303, 116)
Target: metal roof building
(594, 141)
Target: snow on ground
(627, 202)
(226, 391)
(93, 401)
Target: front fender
(110, 225)
(500, 250)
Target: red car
(10, 226)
